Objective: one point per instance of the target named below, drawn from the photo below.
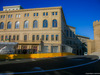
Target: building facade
(94, 45)
(37, 30)
(83, 43)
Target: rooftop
(82, 36)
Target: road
(68, 65)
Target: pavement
(67, 65)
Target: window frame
(17, 25)
(2, 25)
(45, 23)
(35, 24)
(37, 37)
(37, 14)
(2, 37)
(43, 13)
(33, 37)
(54, 23)
(26, 23)
(52, 13)
(9, 24)
(17, 37)
(57, 37)
(52, 37)
(47, 37)
(42, 37)
(25, 37)
(56, 13)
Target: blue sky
(78, 13)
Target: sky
(78, 13)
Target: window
(9, 37)
(17, 25)
(28, 15)
(11, 16)
(54, 49)
(42, 37)
(9, 25)
(52, 37)
(73, 35)
(25, 15)
(56, 37)
(33, 37)
(43, 13)
(8, 16)
(2, 38)
(1, 16)
(37, 37)
(1, 25)
(54, 23)
(14, 37)
(46, 13)
(17, 37)
(52, 13)
(63, 49)
(55, 13)
(4, 16)
(45, 23)
(37, 14)
(45, 50)
(16, 15)
(6, 37)
(35, 24)
(25, 37)
(47, 37)
(26, 24)
(34, 14)
(67, 33)
(70, 33)
(19, 15)
(70, 42)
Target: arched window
(45, 23)
(17, 25)
(35, 24)
(26, 24)
(9, 25)
(1, 25)
(54, 23)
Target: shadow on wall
(72, 43)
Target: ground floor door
(54, 49)
(24, 49)
(33, 49)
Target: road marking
(50, 69)
(33, 60)
(77, 59)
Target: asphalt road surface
(68, 65)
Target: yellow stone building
(37, 30)
(94, 45)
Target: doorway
(34, 49)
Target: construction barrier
(38, 55)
